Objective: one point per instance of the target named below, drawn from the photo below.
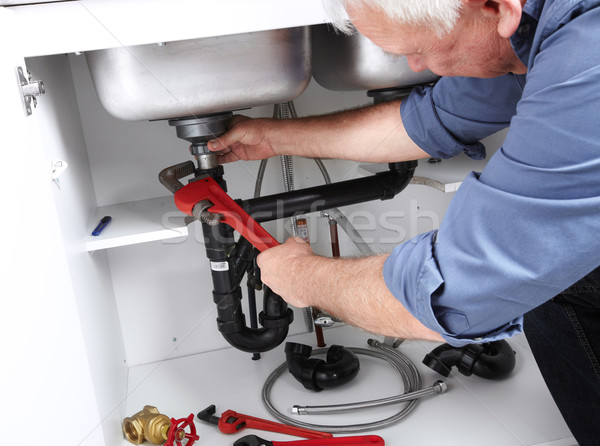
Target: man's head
(450, 37)
(438, 15)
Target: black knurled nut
(215, 172)
(470, 356)
(231, 326)
(276, 322)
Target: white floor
(516, 411)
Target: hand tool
(232, 214)
(253, 440)
(100, 227)
(230, 422)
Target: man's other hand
(247, 139)
(279, 267)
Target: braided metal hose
(407, 370)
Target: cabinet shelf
(137, 222)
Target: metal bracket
(30, 90)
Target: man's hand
(369, 134)
(247, 139)
(279, 268)
(351, 289)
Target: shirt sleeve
(527, 227)
(453, 115)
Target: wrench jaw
(201, 211)
(231, 422)
(198, 193)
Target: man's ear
(506, 12)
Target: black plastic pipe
(340, 368)
(490, 360)
(275, 318)
(252, 314)
(227, 295)
(228, 267)
(381, 186)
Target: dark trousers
(564, 335)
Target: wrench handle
(231, 422)
(373, 440)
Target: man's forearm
(369, 134)
(352, 289)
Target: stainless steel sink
(209, 75)
(346, 63)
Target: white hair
(438, 15)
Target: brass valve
(148, 424)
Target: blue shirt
(527, 227)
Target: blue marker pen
(105, 221)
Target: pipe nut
(440, 387)
(200, 212)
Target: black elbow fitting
(227, 295)
(341, 366)
(490, 360)
(275, 319)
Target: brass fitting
(147, 424)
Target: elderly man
(519, 245)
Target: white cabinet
(86, 25)
(47, 359)
(89, 333)
(66, 352)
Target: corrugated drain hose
(406, 369)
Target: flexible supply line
(437, 388)
(407, 370)
(323, 170)
(260, 175)
(284, 111)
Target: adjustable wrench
(231, 422)
(373, 440)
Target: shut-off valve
(150, 425)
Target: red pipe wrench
(231, 422)
(207, 189)
(373, 440)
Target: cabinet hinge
(30, 89)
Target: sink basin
(347, 63)
(196, 77)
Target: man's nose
(416, 63)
